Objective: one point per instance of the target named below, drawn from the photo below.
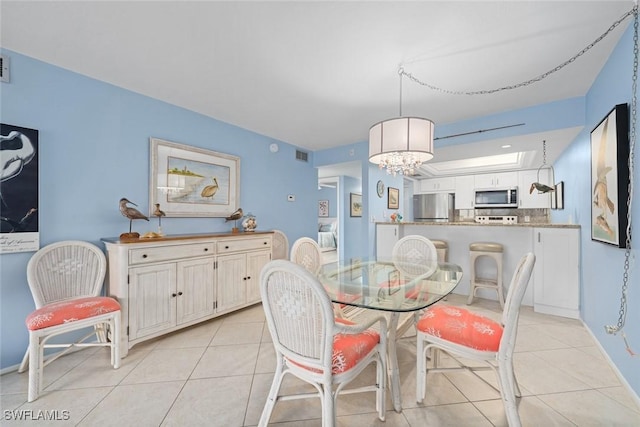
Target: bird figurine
(210, 190)
(159, 213)
(235, 217)
(131, 213)
(542, 188)
(601, 198)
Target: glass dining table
(383, 285)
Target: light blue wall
(94, 149)
(602, 265)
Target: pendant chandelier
(401, 144)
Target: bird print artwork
(131, 213)
(16, 151)
(602, 203)
(8, 225)
(542, 188)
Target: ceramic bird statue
(235, 216)
(131, 213)
(159, 213)
(542, 188)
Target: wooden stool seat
(443, 250)
(493, 251)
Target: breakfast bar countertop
(472, 223)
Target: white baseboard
(613, 366)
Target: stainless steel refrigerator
(436, 207)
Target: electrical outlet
(291, 198)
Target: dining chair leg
(273, 395)
(421, 357)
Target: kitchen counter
(471, 223)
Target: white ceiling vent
(301, 155)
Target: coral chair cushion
(349, 349)
(461, 326)
(67, 311)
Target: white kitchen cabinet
(464, 192)
(435, 185)
(169, 283)
(496, 180)
(533, 200)
(556, 274)
(386, 236)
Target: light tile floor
(218, 373)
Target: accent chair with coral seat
(461, 333)
(312, 345)
(66, 279)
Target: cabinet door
(437, 185)
(464, 192)
(231, 289)
(496, 180)
(533, 200)
(196, 281)
(556, 272)
(255, 262)
(386, 237)
(152, 292)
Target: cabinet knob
(144, 255)
(265, 243)
(174, 295)
(244, 278)
(206, 249)
(179, 293)
(248, 277)
(226, 247)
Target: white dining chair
(65, 280)
(461, 333)
(280, 245)
(314, 346)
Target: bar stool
(493, 251)
(443, 250)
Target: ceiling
(319, 74)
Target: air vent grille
(4, 69)
(302, 156)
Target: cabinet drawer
(231, 245)
(165, 253)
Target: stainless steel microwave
(496, 198)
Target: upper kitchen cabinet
(464, 192)
(533, 199)
(497, 180)
(435, 185)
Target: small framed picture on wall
(393, 198)
(323, 208)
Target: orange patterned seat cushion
(67, 311)
(349, 349)
(461, 326)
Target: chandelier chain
(411, 77)
(632, 139)
(544, 151)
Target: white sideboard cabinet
(172, 282)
